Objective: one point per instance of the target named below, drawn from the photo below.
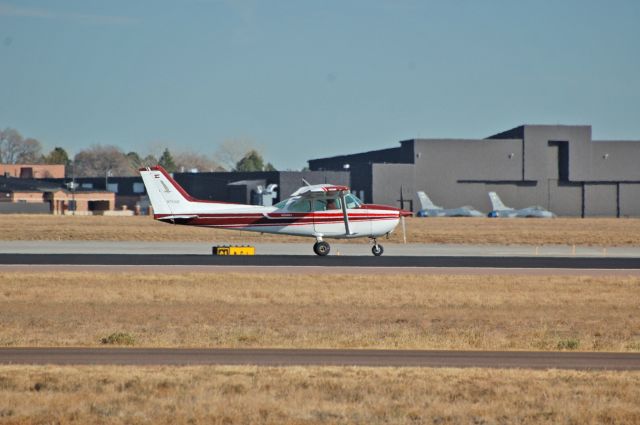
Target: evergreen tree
(166, 161)
(57, 156)
(252, 161)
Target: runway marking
(322, 357)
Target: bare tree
(231, 151)
(149, 161)
(99, 161)
(186, 161)
(30, 152)
(15, 149)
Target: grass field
(561, 231)
(331, 311)
(314, 395)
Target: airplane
(319, 211)
(431, 210)
(500, 210)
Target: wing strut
(343, 203)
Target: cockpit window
(327, 204)
(301, 205)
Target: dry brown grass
(561, 231)
(314, 395)
(333, 311)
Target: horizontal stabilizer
(178, 217)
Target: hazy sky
(307, 79)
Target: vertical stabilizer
(425, 202)
(166, 196)
(496, 202)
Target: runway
(603, 263)
(320, 357)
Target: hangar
(558, 167)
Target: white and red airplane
(319, 211)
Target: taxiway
(323, 357)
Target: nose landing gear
(377, 249)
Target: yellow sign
(234, 250)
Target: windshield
(280, 205)
(352, 201)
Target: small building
(30, 196)
(33, 171)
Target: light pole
(106, 178)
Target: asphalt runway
(265, 261)
(320, 357)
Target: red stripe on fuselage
(287, 219)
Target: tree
(134, 160)
(14, 149)
(99, 160)
(30, 152)
(252, 161)
(269, 167)
(166, 161)
(186, 161)
(149, 161)
(231, 151)
(57, 156)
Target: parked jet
(318, 211)
(500, 210)
(428, 209)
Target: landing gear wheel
(377, 250)
(321, 248)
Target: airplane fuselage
(366, 221)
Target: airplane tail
(425, 202)
(496, 202)
(165, 194)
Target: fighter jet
(431, 210)
(500, 210)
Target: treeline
(101, 160)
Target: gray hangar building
(558, 167)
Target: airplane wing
(327, 190)
(319, 190)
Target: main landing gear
(322, 248)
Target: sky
(306, 79)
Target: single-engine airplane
(319, 211)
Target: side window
(319, 204)
(303, 205)
(326, 204)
